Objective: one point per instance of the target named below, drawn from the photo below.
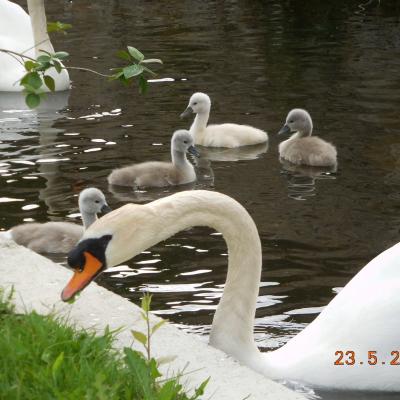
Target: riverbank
(37, 283)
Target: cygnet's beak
(193, 150)
(187, 112)
(284, 130)
(105, 209)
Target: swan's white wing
(363, 317)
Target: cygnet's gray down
(59, 237)
(302, 148)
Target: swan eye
(97, 201)
(195, 104)
(291, 122)
(185, 141)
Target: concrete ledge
(38, 282)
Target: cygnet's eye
(195, 103)
(291, 122)
(185, 141)
(97, 201)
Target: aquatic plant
(36, 80)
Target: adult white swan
(362, 318)
(25, 34)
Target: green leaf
(138, 368)
(124, 55)
(32, 100)
(57, 66)
(61, 55)
(30, 89)
(168, 391)
(154, 372)
(135, 53)
(157, 326)
(143, 85)
(57, 364)
(24, 79)
(200, 390)
(146, 302)
(140, 337)
(43, 66)
(49, 81)
(29, 65)
(132, 70)
(43, 58)
(32, 79)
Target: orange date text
(349, 357)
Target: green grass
(41, 357)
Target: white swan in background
(363, 317)
(25, 34)
(302, 148)
(157, 173)
(221, 135)
(59, 237)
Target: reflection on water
(302, 179)
(257, 60)
(239, 153)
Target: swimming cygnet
(157, 173)
(302, 148)
(59, 237)
(220, 135)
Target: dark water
(257, 60)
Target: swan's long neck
(199, 124)
(41, 38)
(136, 228)
(179, 158)
(88, 219)
(307, 128)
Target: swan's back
(310, 150)
(231, 135)
(50, 237)
(363, 317)
(16, 35)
